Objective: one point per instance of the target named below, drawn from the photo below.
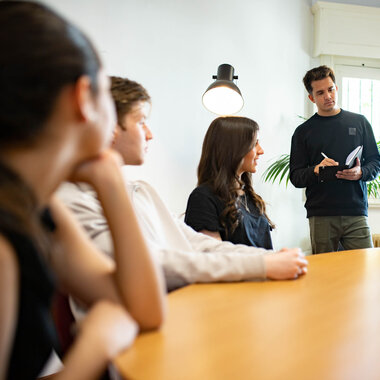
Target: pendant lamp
(223, 97)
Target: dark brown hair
(126, 93)
(40, 54)
(318, 73)
(227, 141)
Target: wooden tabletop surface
(325, 325)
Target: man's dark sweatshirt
(336, 136)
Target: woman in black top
(56, 118)
(224, 205)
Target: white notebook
(351, 158)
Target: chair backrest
(63, 319)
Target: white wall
(174, 47)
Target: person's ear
(115, 134)
(311, 98)
(84, 99)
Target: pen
(323, 155)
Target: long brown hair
(227, 141)
(19, 213)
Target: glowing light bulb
(223, 100)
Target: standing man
(338, 209)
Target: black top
(336, 136)
(204, 210)
(35, 335)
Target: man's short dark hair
(126, 93)
(318, 73)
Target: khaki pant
(326, 232)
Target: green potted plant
(279, 170)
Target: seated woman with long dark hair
(224, 204)
(56, 119)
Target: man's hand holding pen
(325, 162)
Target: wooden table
(325, 325)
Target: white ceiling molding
(346, 30)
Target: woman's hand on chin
(99, 169)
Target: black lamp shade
(223, 97)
